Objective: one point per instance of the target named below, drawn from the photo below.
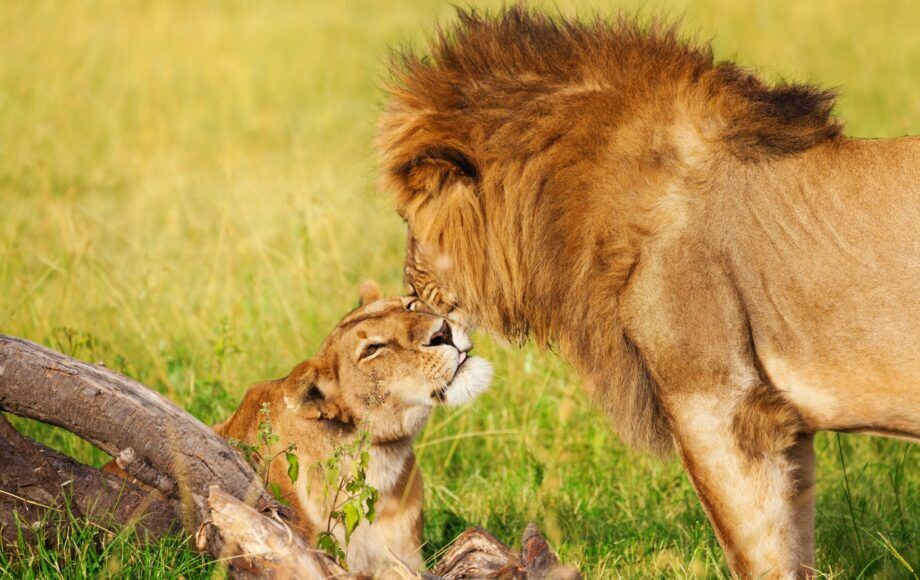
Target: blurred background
(187, 193)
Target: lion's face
(464, 256)
(425, 280)
(447, 257)
(387, 364)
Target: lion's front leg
(756, 486)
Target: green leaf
(345, 470)
(293, 471)
(352, 517)
(328, 543)
(276, 492)
(332, 477)
(371, 503)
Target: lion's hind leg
(753, 470)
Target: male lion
(727, 271)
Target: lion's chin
(473, 377)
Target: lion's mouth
(441, 394)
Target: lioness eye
(412, 306)
(370, 349)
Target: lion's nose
(442, 336)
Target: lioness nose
(442, 336)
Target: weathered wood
(539, 559)
(170, 450)
(478, 554)
(35, 482)
(262, 546)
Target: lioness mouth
(441, 394)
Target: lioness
(382, 369)
(727, 271)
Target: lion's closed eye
(417, 305)
(371, 349)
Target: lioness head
(385, 366)
(382, 370)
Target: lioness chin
(382, 370)
(727, 271)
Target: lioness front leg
(756, 487)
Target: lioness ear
(314, 397)
(302, 393)
(370, 292)
(437, 168)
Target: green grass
(73, 548)
(187, 194)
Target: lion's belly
(825, 255)
(874, 400)
(843, 346)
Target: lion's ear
(312, 401)
(315, 397)
(370, 292)
(437, 168)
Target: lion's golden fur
(715, 258)
(328, 399)
(527, 103)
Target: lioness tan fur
(727, 271)
(383, 369)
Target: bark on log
(35, 481)
(166, 447)
(261, 546)
(478, 554)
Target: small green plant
(347, 497)
(260, 454)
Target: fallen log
(35, 483)
(262, 546)
(154, 441)
(165, 447)
(195, 475)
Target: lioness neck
(388, 464)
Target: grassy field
(187, 194)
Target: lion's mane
(523, 149)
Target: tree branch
(170, 450)
(36, 481)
